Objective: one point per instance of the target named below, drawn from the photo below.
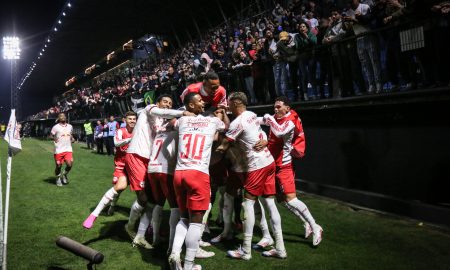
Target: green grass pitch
(40, 212)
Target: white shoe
(196, 267)
(239, 254)
(221, 238)
(59, 182)
(203, 254)
(64, 179)
(371, 89)
(202, 243)
(139, 241)
(130, 232)
(275, 253)
(308, 230)
(175, 262)
(317, 235)
(263, 243)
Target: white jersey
(164, 152)
(195, 139)
(63, 137)
(247, 131)
(142, 133)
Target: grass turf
(40, 212)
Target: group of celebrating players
(166, 154)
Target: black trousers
(99, 142)
(109, 144)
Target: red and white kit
(259, 176)
(139, 150)
(191, 179)
(161, 166)
(219, 98)
(121, 142)
(63, 142)
(286, 138)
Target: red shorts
(192, 189)
(284, 178)
(119, 170)
(162, 188)
(63, 157)
(260, 182)
(136, 168)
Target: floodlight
(11, 48)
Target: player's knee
(196, 216)
(121, 184)
(142, 197)
(249, 196)
(290, 196)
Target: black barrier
(92, 255)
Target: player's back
(141, 142)
(195, 139)
(248, 130)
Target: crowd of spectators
(305, 50)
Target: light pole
(11, 52)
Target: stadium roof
(88, 32)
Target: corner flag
(12, 135)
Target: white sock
(107, 197)
(294, 211)
(173, 220)
(303, 210)
(145, 221)
(276, 221)
(260, 214)
(156, 222)
(135, 213)
(228, 208)
(180, 235)
(249, 223)
(194, 233)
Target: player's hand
(260, 145)
(219, 113)
(187, 113)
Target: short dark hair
(160, 97)
(188, 98)
(283, 99)
(210, 75)
(241, 96)
(130, 113)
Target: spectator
(89, 134)
(367, 45)
(305, 40)
(98, 135)
(112, 128)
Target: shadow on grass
(55, 268)
(50, 180)
(117, 209)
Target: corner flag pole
(5, 227)
(12, 136)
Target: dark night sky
(31, 21)
(91, 29)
